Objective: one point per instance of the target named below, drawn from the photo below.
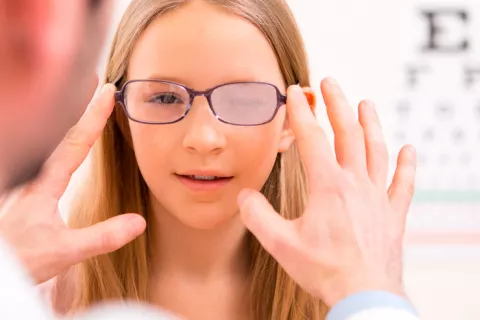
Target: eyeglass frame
(120, 98)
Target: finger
(8, 199)
(376, 149)
(104, 237)
(84, 96)
(349, 139)
(273, 232)
(311, 139)
(4, 199)
(76, 145)
(402, 189)
(278, 236)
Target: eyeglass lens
(236, 103)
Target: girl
(200, 116)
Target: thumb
(273, 232)
(107, 236)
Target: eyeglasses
(164, 102)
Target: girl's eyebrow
(157, 76)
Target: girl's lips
(201, 185)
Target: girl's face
(202, 46)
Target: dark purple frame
(120, 98)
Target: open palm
(350, 236)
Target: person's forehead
(204, 47)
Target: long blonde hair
(116, 185)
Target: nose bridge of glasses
(206, 94)
(203, 123)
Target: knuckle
(351, 131)
(108, 241)
(356, 130)
(311, 256)
(410, 189)
(405, 191)
(322, 185)
(312, 239)
(314, 128)
(76, 137)
(378, 148)
(330, 189)
(278, 244)
(345, 182)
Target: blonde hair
(117, 186)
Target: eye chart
(437, 109)
(419, 61)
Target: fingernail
(369, 107)
(368, 104)
(411, 155)
(297, 89)
(413, 152)
(135, 222)
(333, 85)
(331, 81)
(106, 88)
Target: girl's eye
(166, 98)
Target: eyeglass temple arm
(118, 96)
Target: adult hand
(350, 236)
(30, 221)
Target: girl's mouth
(204, 183)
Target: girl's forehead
(203, 49)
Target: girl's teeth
(207, 178)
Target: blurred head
(48, 55)
(211, 75)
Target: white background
(366, 45)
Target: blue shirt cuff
(368, 300)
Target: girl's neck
(201, 254)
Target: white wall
(367, 45)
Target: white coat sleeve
(373, 305)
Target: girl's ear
(287, 136)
